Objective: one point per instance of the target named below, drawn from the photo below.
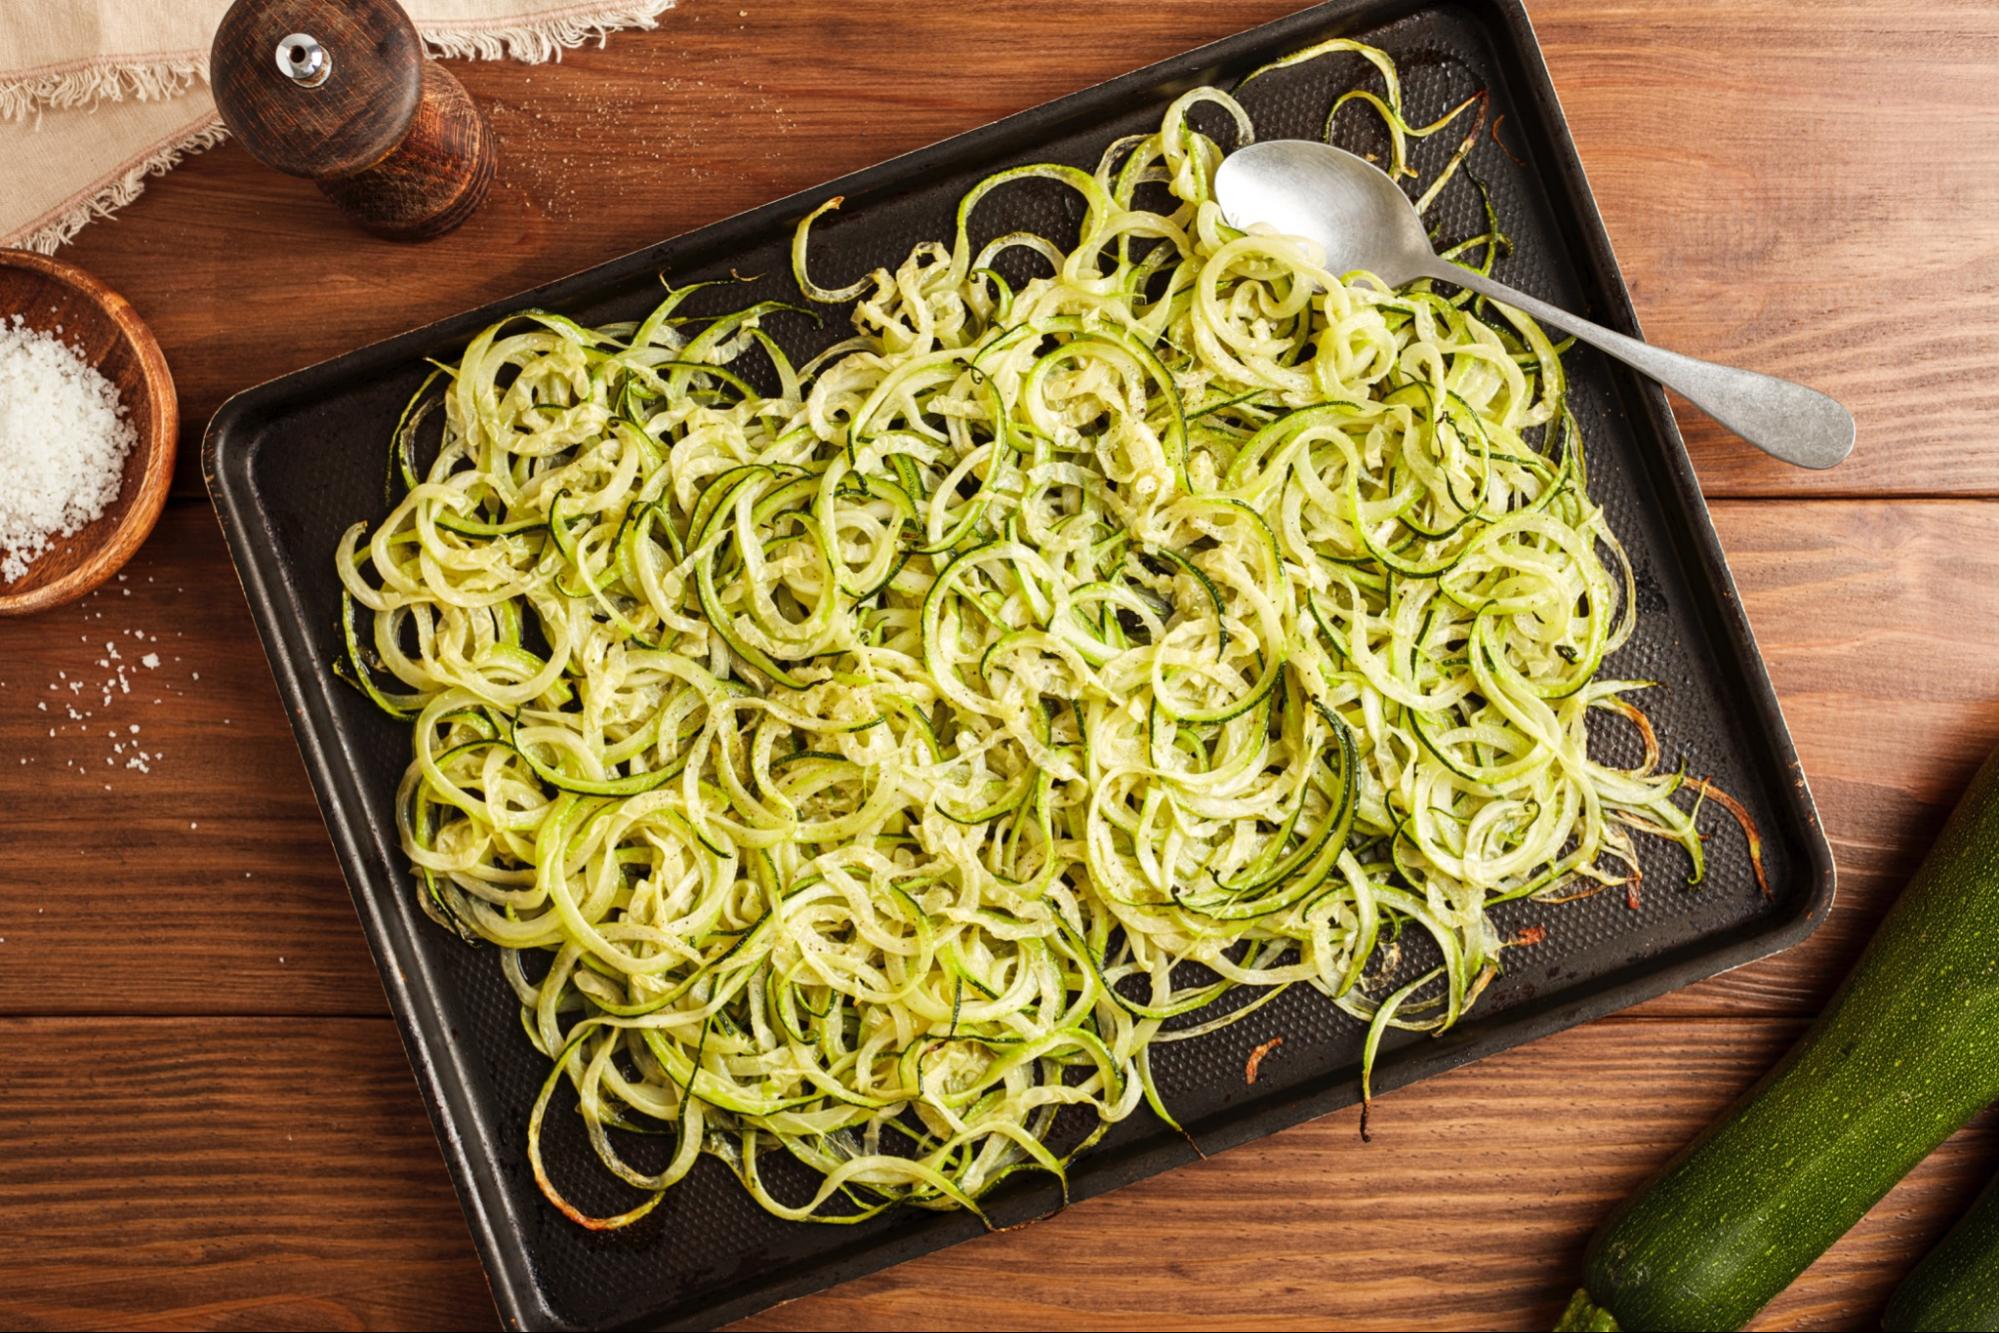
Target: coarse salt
(64, 435)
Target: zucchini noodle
(876, 769)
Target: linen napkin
(97, 95)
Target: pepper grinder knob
(341, 92)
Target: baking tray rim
(441, 1071)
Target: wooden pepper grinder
(341, 92)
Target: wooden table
(205, 1115)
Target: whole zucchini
(1956, 1286)
(1907, 1051)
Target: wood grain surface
(206, 1114)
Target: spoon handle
(1784, 419)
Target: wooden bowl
(104, 329)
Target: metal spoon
(1361, 219)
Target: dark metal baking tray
(291, 463)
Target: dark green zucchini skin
(1955, 1289)
(1907, 1051)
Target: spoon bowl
(1360, 219)
(1350, 208)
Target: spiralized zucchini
(873, 769)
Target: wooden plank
(203, 885)
(1350, 1236)
(1752, 159)
(1865, 611)
(251, 1173)
(264, 1173)
(1803, 189)
(1875, 620)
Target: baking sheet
(292, 463)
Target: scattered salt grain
(64, 435)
